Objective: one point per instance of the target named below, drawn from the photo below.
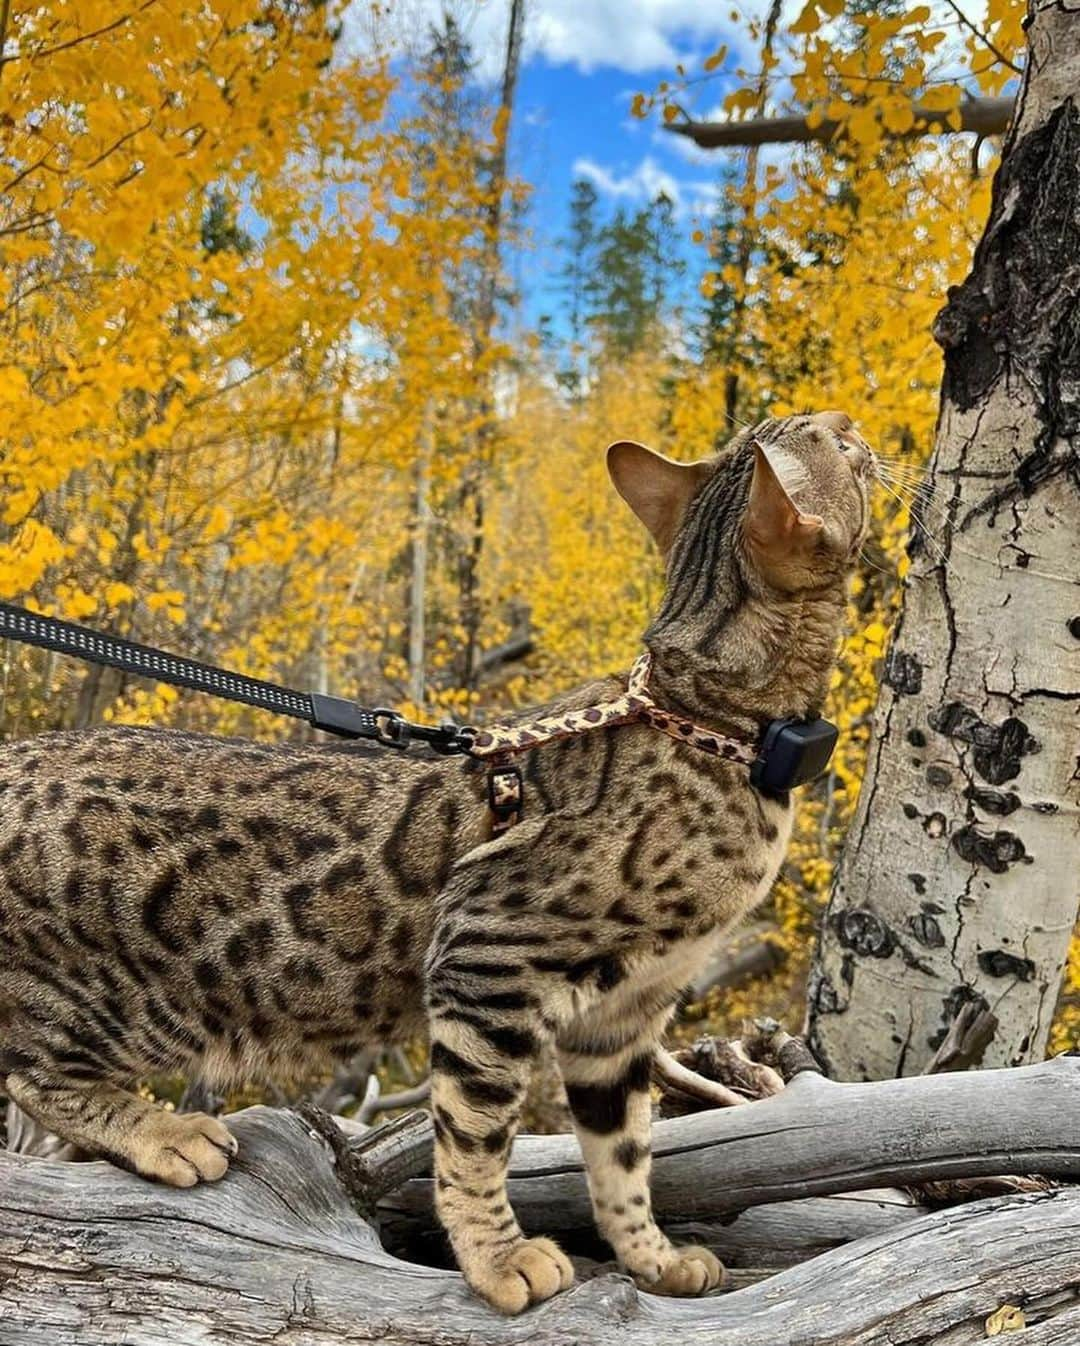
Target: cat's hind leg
(180, 1149)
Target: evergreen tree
(577, 280)
(630, 287)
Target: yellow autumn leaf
(897, 116)
(941, 98)
(117, 592)
(808, 20)
(1008, 1318)
(862, 125)
(78, 604)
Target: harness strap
(498, 745)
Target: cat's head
(784, 506)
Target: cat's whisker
(922, 504)
(936, 550)
(908, 476)
(932, 543)
(901, 471)
(889, 574)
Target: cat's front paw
(182, 1149)
(690, 1271)
(531, 1271)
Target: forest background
(270, 397)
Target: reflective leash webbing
(334, 714)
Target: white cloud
(631, 35)
(645, 182)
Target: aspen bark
(961, 876)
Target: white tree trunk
(961, 877)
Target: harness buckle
(506, 797)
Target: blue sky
(583, 61)
(571, 124)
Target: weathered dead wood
(983, 116)
(750, 953)
(276, 1251)
(715, 1073)
(375, 1102)
(685, 1089)
(813, 1139)
(969, 1035)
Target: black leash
(333, 714)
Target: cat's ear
(776, 529)
(656, 488)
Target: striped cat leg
(479, 1073)
(607, 1085)
(179, 1149)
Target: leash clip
(391, 729)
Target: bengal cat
(173, 902)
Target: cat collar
(789, 753)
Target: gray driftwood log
(278, 1251)
(816, 1138)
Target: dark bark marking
(864, 933)
(998, 963)
(995, 851)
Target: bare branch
(983, 116)
(672, 1073)
(83, 37)
(404, 1098)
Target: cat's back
(127, 833)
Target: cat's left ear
(656, 488)
(776, 529)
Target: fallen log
(815, 1138)
(751, 953)
(90, 1255)
(279, 1249)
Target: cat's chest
(698, 864)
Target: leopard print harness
(499, 745)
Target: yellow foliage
(231, 353)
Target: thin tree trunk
(960, 877)
(476, 475)
(419, 569)
(748, 230)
